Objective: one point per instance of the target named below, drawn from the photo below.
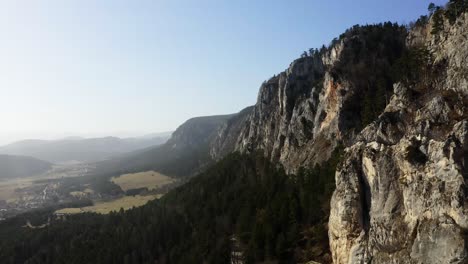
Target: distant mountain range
(76, 149)
(20, 166)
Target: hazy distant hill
(79, 149)
(20, 166)
(166, 135)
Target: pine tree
(431, 8)
(438, 21)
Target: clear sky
(121, 67)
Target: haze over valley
(77, 149)
(41, 173)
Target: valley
(19, 195)
(68, 187)
(37, 174)
(355, 153)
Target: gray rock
(400, 193)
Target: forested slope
(20, 166)
(274, 216)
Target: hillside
(186, 153)
(20, 166)
(244, 195)
(79, 149)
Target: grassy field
(149, 179)
(126, 202)
(8, 187)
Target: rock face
(302, 113)
(282, 121)
(400, 193)
(197, 132)
(227, 133)
(296, 115)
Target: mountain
(325, 98)
(19, 166)
(79, 149)
(186, 153)
(357, 153)
(274, 199)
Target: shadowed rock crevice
(365, 199)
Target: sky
(128, 68)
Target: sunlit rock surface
(400, 193)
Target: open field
(8, 187)
(149, 179)
(20, 195)
(126, 202)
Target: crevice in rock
(465, 152)
(365, 199)
(415, 155)
(414, 235)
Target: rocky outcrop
(227, 134)
(400, 193)
(282, 121)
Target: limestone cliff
(400, 193)
(302, 113)
(227, 133)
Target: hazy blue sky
(111, 67)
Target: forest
(274, 216)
